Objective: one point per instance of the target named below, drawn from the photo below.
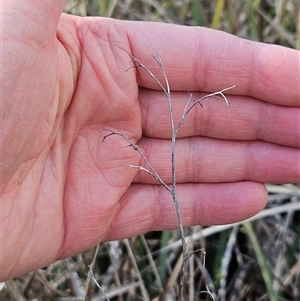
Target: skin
(64, 78)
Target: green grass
(262, 262)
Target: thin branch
(173, 191)
(173, 172)
(92, 277)
(155, 176)
(211, 95)
(139, 64)
(152, 171)
(185, 112)
(91, 266)
(203, 266)
(159, 62)
(188, 108)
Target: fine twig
(151, 170)
(92, 277)
(208, 292)
(165, 87)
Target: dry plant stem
(173, 191)
(91, 266)
(151, 170)
(92, 277)
(204, 271)
(174, 131)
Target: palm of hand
(72, 181)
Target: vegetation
(255, 260)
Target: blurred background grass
(270, 21)
(257, 260)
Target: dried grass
(147, 267)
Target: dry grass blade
(91, 266)
(217, 229)
(171, 283)
(152, 263)
(15, 291)
(118, 291)
(266, 273)
(92, 277)
(133, 260)
(226, 261)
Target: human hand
(64, 79)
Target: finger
(147, 208)
(246, 118)
(200, 159)
(202, 59)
